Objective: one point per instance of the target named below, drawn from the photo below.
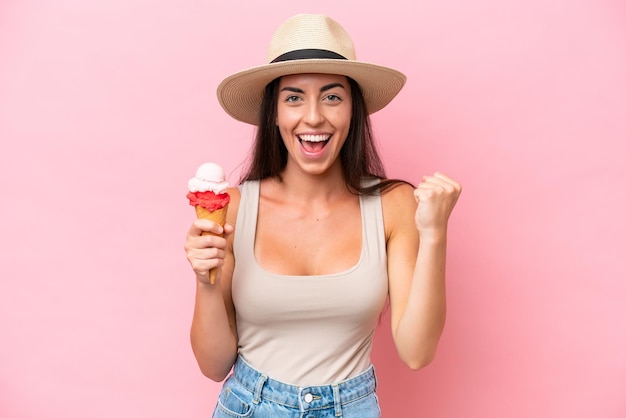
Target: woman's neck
(303, 186)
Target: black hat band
(307, 54)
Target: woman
(316, 240)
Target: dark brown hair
(359, 156)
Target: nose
(313, 114)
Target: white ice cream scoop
(209, 177)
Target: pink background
(107, 107)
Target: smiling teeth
(314, 138)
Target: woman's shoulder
(399, 207)
(398, 197)
(398, 192)
(233, 205)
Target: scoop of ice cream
(208, 200)
(209, 177)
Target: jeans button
(308, 398)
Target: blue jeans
(249, 393)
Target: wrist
(203, 283)
(433, 237)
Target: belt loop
(337, 400)
(258, 388)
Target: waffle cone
(217, 216)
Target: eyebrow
(322, 89)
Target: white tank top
(308, 330)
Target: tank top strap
(245, 231)
(374, 243)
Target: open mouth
(313, 143)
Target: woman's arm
(416, 223)
(213, 328)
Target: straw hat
(307, 43)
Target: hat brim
(240, 94)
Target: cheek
(342, 115)
(285, 116)
(343, 118)
(285, 136)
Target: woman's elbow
(215, 368)
(418, 361)
(418, 364)
(213, 373)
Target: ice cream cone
(208, 193)
(217, 216)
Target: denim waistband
(304, 397)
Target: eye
(292, 98)
(333, 98)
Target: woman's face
(314, 112)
